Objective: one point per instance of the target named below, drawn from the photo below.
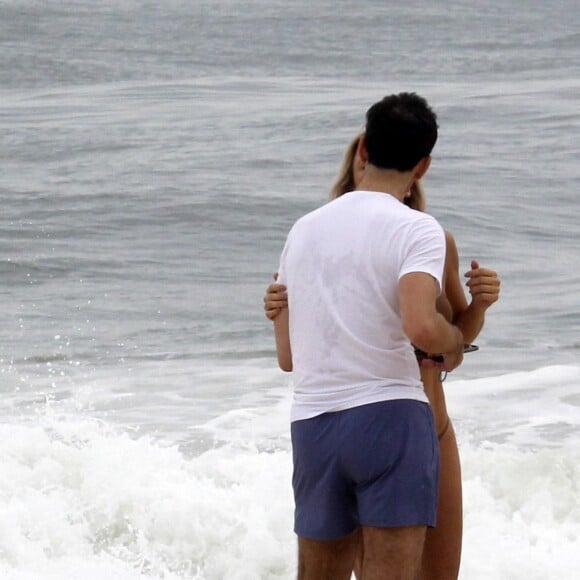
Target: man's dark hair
(400, 131)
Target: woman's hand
(483, 285)
(275, 299)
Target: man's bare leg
(359, 555)
(392, 553)
(327, 559)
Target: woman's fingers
(476, 286)
(271, 302)
(271, 314)
(484, 294)
(487, 282)
(276, 293)
(482, 277)
(483, 284)
(274, 300)
(275, 288)
(479, 272)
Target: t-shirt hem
(301, 413)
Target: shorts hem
(325, 537)
(430, 523)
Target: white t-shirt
(341, 265)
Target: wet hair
(400, 131)
(345, 180)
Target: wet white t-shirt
(341, 264)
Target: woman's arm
(483, 285)
(276, 309)
(282, 335)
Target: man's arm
(425, 327)
(282, 335)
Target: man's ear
(422, 167)
(358, 169)
(361, 151)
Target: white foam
(534, 409)
(80, 498)
(522, 514)
(86, 501)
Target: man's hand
(443, 362)
(451, 360)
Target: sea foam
(81, 498)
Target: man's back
(342, 264)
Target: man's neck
(395, 183)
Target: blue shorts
(373, 465)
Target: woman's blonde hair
(345, 180)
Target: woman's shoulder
(450, 240)
(449, 237)
(451, 253)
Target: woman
(442, 550)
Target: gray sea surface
(154, 156)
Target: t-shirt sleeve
(282, 273)
(425, 250)
(281, 269)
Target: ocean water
(154, 156)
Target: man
(363, 274)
